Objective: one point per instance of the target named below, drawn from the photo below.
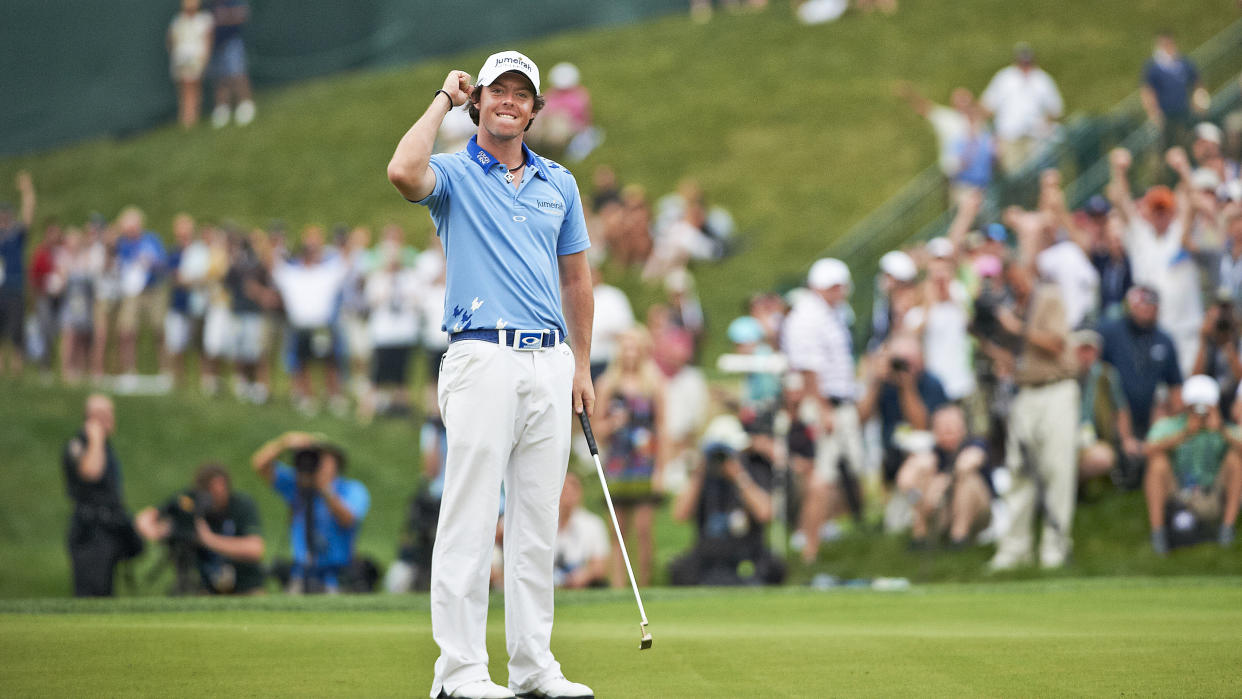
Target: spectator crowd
(1007, 367)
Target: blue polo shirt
(1172, 84)
(1144, 358)
(13, 259)
(501, 244)
(334, 544)
(147, 245)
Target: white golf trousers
(507, 413)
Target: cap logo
(516, 61)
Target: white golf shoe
(479, 689)
(559, 688)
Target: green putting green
(1172, 636)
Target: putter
(644, 635)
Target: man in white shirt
(817, 342)
(614, 315)
(310, 289)
(950, 122)
(1025, 104)
(582, 548)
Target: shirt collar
(478, 154)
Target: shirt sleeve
(1172, 374)
(1115, 393)
(285, 483)
(1052, 99)
(991, 95)
(573, 237)
(1050, 313)
(1164, 427)
(1149, 74)
(438, 199)
(357, 499)
(248, 523)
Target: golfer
(515, 239)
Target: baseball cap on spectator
(988, 266)
(1097, 205)
(745, 330)
(564, 75)
(997, 232)
(498, 64)
(1207, 131)
(725, 431)
(1143, 293)
(1200, 391)
(1159, 197)
(1204, 178)
(1085, 337)
(827, 273)
(898, 265)
(940, 247)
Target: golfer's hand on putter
(458, 87)
(584, 391)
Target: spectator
(252, 294)
(686, 401)
(218, 330)
(228, 63)
(949, 486)
(761, 387)
(73, 264)
(325, 508)
(686, 312)
(582, 551)
(48, 286)
(1143, 355)
(1108, 256)
(941, 323)
(1231, 261)
(564, 125)
(392, 295)
(212, 532)
(189, 48)
(100, 532)
(901, 393)
(352, 321)
(1219, 349)
(187, 263)
(894, 284)
(975, 152)
(951, 123)
(13, 233)
(412, 569)
(1025, 104)
(140, 263)
(105, 268)
(1060, 248)
(1194, 462)
(817, 341)
(613, 317)
(310, 289)
(728, 499)
(1042, 422)
(1156, 239)
(1171, 91)
(1106, 438)
(630, 422)
(432, 336)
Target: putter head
(645, 643)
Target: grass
(793, 128)
(1111, 636)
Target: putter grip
(586, 431)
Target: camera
(182, 511)
(307, 461)
(899, 364)
(1224, 319)
(715, 456)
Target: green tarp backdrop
(73, 69)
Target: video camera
(181, 511)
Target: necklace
(509, 172)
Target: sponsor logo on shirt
(548, 204)
(483, 159)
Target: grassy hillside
(795, 129)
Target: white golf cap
(1207, 131)
(1204, 178)
(564, 75)
(505, 61)
(726, 431)
(827, 273)
(1200, 390)
(899, 266)
(940, 247)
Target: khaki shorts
(845, 440)
(152, 303)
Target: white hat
(1204, 178)
(940, 247)
(564, 75)
(827, 273)
(1200, 390)
(725, 430)
(898, 265)
(1207, 131)
(505, 61)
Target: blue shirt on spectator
(1144, 357)
(13, 258)
(333, 544)
(1172, 83)
(224, 32)
(130, 250)
(501, 244)
(975, 152)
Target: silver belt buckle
(528, 340)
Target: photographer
(728, 498)
(1218, 349)
(326, 509)
(211, 530)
